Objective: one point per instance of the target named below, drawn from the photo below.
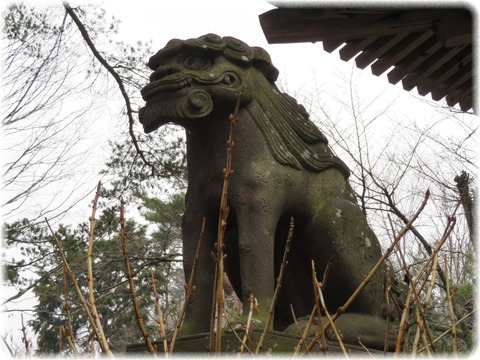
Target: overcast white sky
(303, 67)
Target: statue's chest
(255, 170)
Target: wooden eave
(426, 48)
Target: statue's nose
(163, 71)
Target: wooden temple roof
(427, 48)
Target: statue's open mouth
(154, 88)
(171, 85)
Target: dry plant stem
(241, 341)
(24, 338)
(320, 333)
(326, 272)
(79, 292)
(325, 310)
(279, 285)
(433, 273)
(332, 324)
(138, 315)
(306, 331)
(69, 340)
(9, 348)
(421, 318)
(421, 328)
(69, 329)
(365, 348)
(387, 300)
(160, 319)
(222, 224)
(189, 288)
(211, 345)
(302, 339)
(450, 308)
(317, 305)
(60, 339)
(92, 344)
(90, 278)
(253, 307)
(451, 222)
(376, 267)
(403, 322)
(446, 332)
(116, 76)
(72, 346)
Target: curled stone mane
(289, 132)
(233, 49)
(285, 124)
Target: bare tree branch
(115, 75)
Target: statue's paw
(369, 330)
(352, 329)
(255, 324)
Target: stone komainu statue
(283, 167)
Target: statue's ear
(263, 62)
(173, 47)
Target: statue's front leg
(198, 312)
(256, 227)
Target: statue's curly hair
(234, 49)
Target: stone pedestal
(276, 342)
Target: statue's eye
(197, 62)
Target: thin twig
(211, 337)
(90, 278)
(422, 326)
(323, 343)
(79, 292)
(451, 312)
(138, 315)
(69, 329)
(403, 321)
(24, 338)
(433, 273)
(116, 76)
(279, 285)
(222, 225)
(325, 310)
(242, 342)
(364, 347)
(451, 222)
(387, 298)
(9, 348)
(69, 340)
(326, 272)
(421, 318)
(160, 319)
(60, 339)
(307, 331)
(446, 332)
(302, 339)
(92, 343)
(252, 309)
(189, 289)
(330, 320)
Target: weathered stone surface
(276, 343)
(283, 167)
